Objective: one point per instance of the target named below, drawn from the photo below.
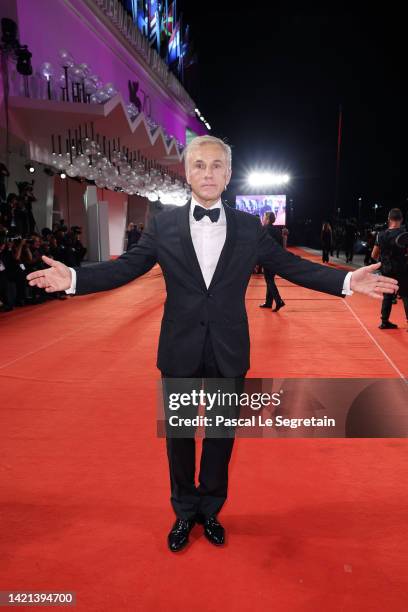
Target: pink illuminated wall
(47, 26)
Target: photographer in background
(369, 238)
(80, 250)
(133, 235)
(6, 295)
(350, 237)
(36, 246)
(27, 198)
(394, 263)
(13, 272)
(22, 260)
(4, 173)
(6, 210)
(19, 223)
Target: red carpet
(312, 524)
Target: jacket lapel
(228, 247)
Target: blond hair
(199, 141)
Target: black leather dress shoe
(388, 325)
(178, 536)
(265, 305)
(278, 306)
(214, 531)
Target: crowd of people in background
(379, 243)
(347, 237)
(21, 254)
(22, 247)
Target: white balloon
(110, 89)
(66, 57)
(76, 74)
(96, 80)
(87, 146)
(47, 70)
(101, 96)
(99, 182)
(102, 163)
(92, 173)
(72, 171)
(85, 68)
(60, 162)
(81, 162)
(90, 87)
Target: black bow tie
(199, 212)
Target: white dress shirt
(208, 239)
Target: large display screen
(261, 204)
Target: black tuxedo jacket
(190, 308)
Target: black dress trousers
(207, 499)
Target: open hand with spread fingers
(55, 278)
(365, 281)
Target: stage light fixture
(23, 65)
(30, 168)
(63, 175)
(9, 33)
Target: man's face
(208, 173)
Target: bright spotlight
(267, 179)
(63, 175)
(30, 168)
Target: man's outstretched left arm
(318, 277)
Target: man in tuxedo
(207, 252)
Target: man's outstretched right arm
(100, 276)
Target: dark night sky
(271, 83)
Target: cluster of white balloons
(80, 74)
(116, 173)
(98, 93)
(119, 174)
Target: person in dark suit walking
(394, 261)
(326, 238)
(272, 292)
(207, 252)
(133, 235)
